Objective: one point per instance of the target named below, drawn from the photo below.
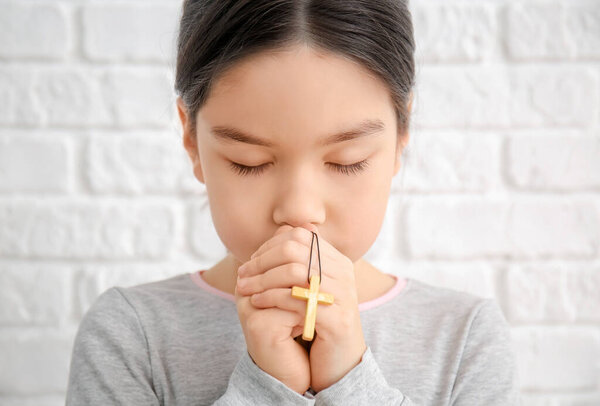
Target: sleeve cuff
(250, 385)
(364, 384)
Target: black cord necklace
(314, 235)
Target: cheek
(236, 219)
(363, 218)
(359, 215)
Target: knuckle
(299, 234)
(243, 308)
(255, 323)
(257, 283)
(346, 320)
(343, 324)
(283, 229)
(289, 248)
(299, 272)
(258, 298)
(255, 264)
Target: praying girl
(294, 114)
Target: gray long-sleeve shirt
(179, 342)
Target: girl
(294, 114)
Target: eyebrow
(365, 128)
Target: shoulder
(443, 303)
(160, 296)
(479, 322)
(457, 317)
(480, 336)
(176, 285)
(109, 314)
(477, 335)
(124, 306)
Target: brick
(77, 97)
(475, 279)
(453, 32)
(49, 39)
(536, 30)
(19, 103)
(553, 293)
(42, 400)
(52, 96)
(557, 358)
(85, 230)
(553, 162)
(554, 229)
(537, 400)
(500, 97)
(553, 96)
(552, 30)
(140, 97)
(71, 97)
(143, 162)
(34, 361)
(450, 161)
(34, 164)
(130, 32)
(582, 22)
(477, 228)
(561, 399)
(33, 294)
(459, 229)
(461, 97)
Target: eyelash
(353, 169)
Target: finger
(281, 230)
(344, 293)
(246, 309)
(284, 253)
(332, 318)
(284, 276)
(291, 252)
(280, 298)
(274, 319)
(297, 331)
(243, 306)
(284, 231)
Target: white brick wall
(499, 196)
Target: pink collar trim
(401, 283)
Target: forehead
(299, 91)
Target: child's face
(295, 100)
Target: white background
(499, 195)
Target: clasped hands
(282, 262)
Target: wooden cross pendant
(312, 296)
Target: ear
(402, 139)
(189, 139)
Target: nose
(299, 202)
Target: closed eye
(352, 169)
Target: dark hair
(215, 34)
